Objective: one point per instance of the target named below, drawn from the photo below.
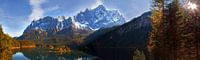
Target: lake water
(44, 54)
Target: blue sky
(16, 15)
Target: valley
(106, 30)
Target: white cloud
(97, 3)
(37, 11)
(52, 8)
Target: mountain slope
(120, 43)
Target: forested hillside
(6, 44)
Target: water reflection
(5, 54)
(42, 54)
(45, 54)
(19, 56)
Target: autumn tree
(196, 17)
(185, 41)
(175, 35)
(6, 43)
(156, 35)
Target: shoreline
(22, 47)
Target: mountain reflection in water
(44, 54)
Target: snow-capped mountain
(46, 24)
(100, 17)
(92, 19)
(82, 23)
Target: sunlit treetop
(191, 6)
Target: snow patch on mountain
(61, 18)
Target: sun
(191, 6)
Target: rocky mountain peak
(61, 18)
(100, 7)
(82, 23)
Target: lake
(45, 54)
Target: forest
(176, 29)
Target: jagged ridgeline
(71, 30)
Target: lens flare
(191, 6)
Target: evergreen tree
(174, 19)
(198, 34)
(197, 25)
(1, 29)
(186, 35)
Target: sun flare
(191, 6)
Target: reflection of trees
(5, 54)
(35, 54)
(45, 54)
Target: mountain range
(99, 31)
(71, 30)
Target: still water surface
(45, 54)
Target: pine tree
(197, 26)
(198, 34)
(1, 30)
(174, 19)
(187, 36)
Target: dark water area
(44, 54)
(123, 53)
(47, 54)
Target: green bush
(138, 55)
